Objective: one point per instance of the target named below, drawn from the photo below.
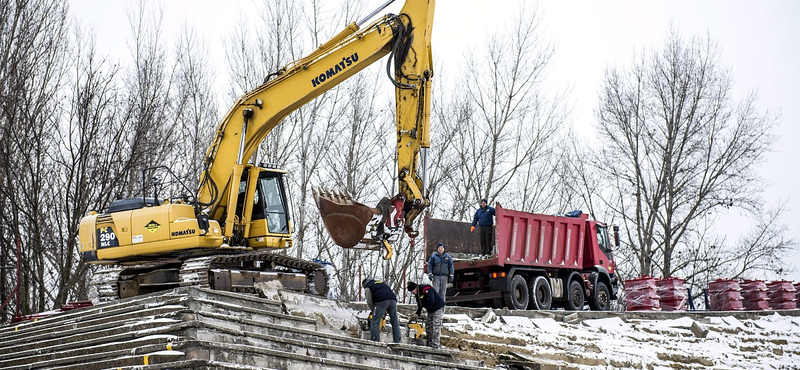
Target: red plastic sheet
(797, 290)
(671, 293)
(724, 295)
(754, 294)
(782, 295)
(641, 294)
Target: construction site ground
(206, 329)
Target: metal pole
(424, 171)
(370, 15)
(403, 286)
(19, 267)
(247, 113)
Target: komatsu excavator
(225, 236)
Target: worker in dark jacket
(381, 299)
(484, 218)
(428, 298)
(440, 270)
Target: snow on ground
(770, 342)
(618, 341)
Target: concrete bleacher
(193, 328)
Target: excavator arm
(406, 37)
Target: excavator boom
(352, 224)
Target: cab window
(602, 240)
(274, 203)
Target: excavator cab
(262, 217)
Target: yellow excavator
(225, 236)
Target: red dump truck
(540, 262)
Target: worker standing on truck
(484, 218)
(440, 270)
(381, 299)
(428, 298)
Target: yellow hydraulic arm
(407, 38)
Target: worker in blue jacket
(484, 218)
(431, 301)
(381, 299)
(440, 270)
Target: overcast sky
(760, 42)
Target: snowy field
(769, 342)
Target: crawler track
(196, 271)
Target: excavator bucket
(347, 221)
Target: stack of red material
(641, 294)
(724, 295)
(671, 294)
(797, 290)
(781, 295)
(754, 293)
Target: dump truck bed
(520, 238)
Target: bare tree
(680, 147)
(504, 123)
(86, 158)
(196, 108)
(32, 69)
(147, 105)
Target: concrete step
(87, 316)
(258, 357)
(258, 327)
(232, 312)
(107, 353)
(256, 331)
(201, 328)
(246, 301)
(366, 352)
(196, 364)
(96, 343)
(67, 332)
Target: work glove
(471, 228)
(430, 277)
(413, 317)
(450, 279)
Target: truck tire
(575, 296)
(541, 295)
(517, 298)
(601, 299)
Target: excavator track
(104, 284)
(196, 271)
(199, 272)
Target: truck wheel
(575, 296)
(601, 299)
(541, 297)
(517, 298)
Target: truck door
(603, 241)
